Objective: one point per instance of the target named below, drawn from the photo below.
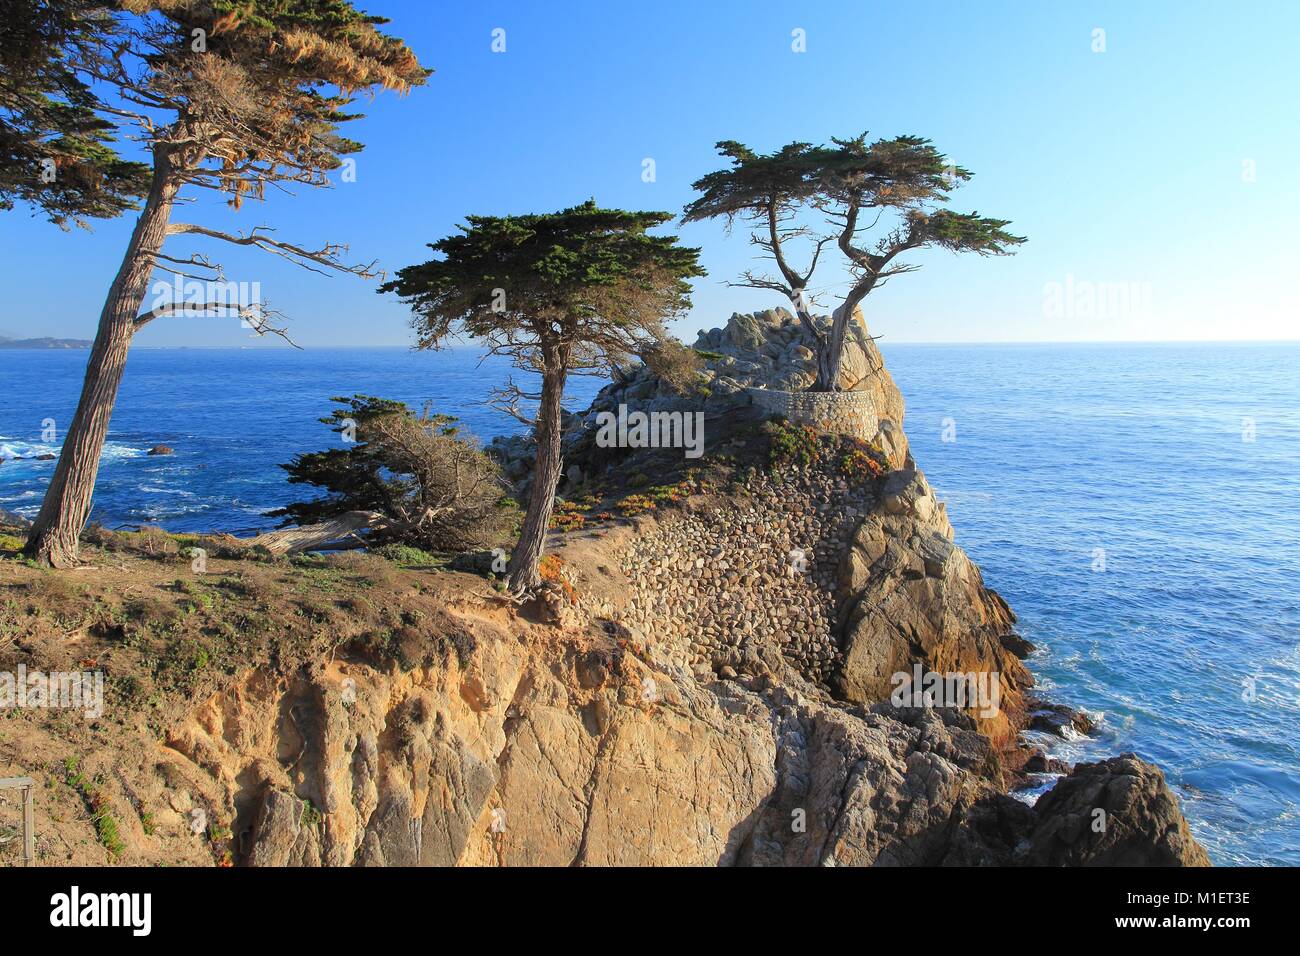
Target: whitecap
(153, 490)
(23, 449)
(1039, 784)
(116, 451)
(1098, 717)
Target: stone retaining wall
(718, 590)
(840, 413)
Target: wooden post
(27, 785)
(29, 826)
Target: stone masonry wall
(841, 413)
(717, 590)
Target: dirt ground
(167, 631)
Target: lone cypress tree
(904, 177)
(770, 191)
(855, 187)
(577, 291)
(228, 95)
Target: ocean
(1137, 505)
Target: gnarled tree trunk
(527, 556)
(830, 354)
(54, 533)
(828, 365)
(335, 534)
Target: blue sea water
(232, 416)
(1138, 506)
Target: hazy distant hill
(45, 342)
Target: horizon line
(468, 347)
(877, 339)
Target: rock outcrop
(719, 591)
(715, 683)
(1118, 812)
(588, 752)
(769, 349)
(910, 596)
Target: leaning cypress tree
(769, 191)
(572, 292)
(57, 153)
(228, 95)
(894, 185)
(852, 188)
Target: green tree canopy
(591, 284)
(234, 96)
(876, 200)
(58, 154)
(580, 290)
(434, 488)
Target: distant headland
(44, 342)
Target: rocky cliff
(709, 679)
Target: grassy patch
(90, 791)
(404, 555)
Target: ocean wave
(14, 448)
(117, 451)
(1039, 784)
(178, 492)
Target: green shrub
(311, 817)
(791, 444)
(405, 554)
(106, 828)
(436, 490)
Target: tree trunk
(527, 555)
(334, 534)
(831, 355)
(54, 533)
(828, 358)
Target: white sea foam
(13, 448)
(1039, 784)
(155, 490)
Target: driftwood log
(337, 534)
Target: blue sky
(1158, 180)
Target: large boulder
(1117, 812)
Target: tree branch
(257, 317)
(327, 255)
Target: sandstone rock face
(523, 756)
(909, 595)
(574, 750)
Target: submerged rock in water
(161, 450)
(1065, 722)
(1017, 645)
